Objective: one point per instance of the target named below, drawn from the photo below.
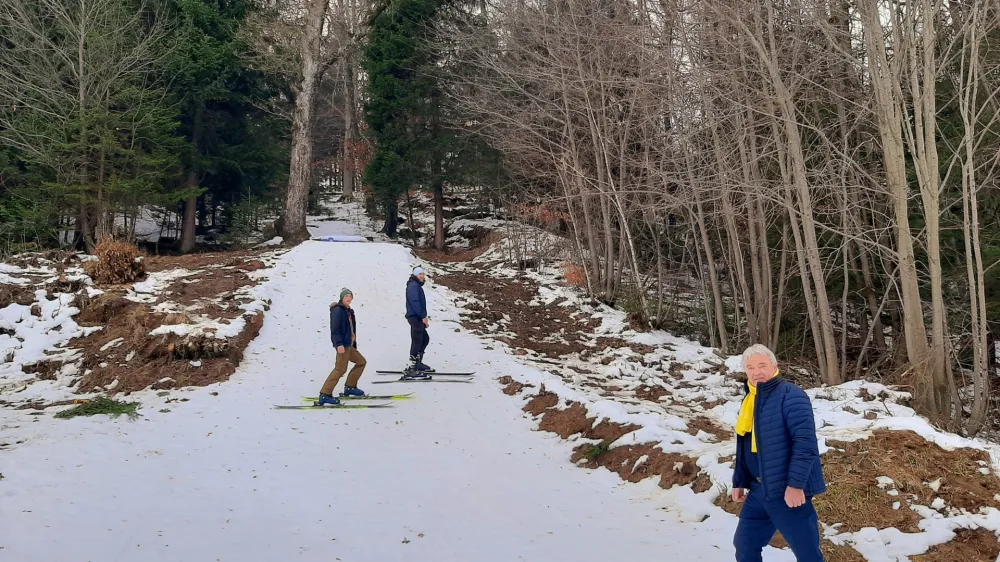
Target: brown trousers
(350, 356)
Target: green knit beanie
(344, 292)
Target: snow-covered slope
(456, 474)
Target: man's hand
(795, 497)
(427, 322)
(340, 349)
(739, 494)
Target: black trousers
(418, 336)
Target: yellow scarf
(744, 424)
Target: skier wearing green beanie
(343, 334)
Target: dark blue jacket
(341, 320)
(416, 304)
(787, 450)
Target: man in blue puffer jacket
(778, 468)
(416, 315)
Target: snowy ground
(455, 474)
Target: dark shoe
(325, 399)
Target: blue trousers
(759, 520)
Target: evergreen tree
(225, 134)
(406, 109)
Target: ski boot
(413, 372)
(420, 366)
(325, 399)
(352, 391)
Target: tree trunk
(187, 241)
(348, 161)
(439, 216)
(890, 124)
(720, 311)
(293, 224)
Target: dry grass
(117, 263)
(575, 275)
(978, 545)
(854, 498)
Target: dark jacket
(343, 326)
(787, 449)
(416, 304)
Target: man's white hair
(758, 349)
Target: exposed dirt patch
(450, 256)
(161, 362)
(566, 422)
(702, 483)
(103, 309)
(651, 393)
(708, 426)
(541, 402)
(637, 462)
(211, 292)
(242, 259)
(854, 498)
(43, 370)
(23, 295)
(836, 553)
(609, 431)
(511, 386)
(573, 419)
(503, 306)
(967, 546)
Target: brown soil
(541, 402)
(702, 484)
(979, 545)
(450, 256)
(609, 431)
(837, 553)
(161, 357)
(101, 310)
(672, 468)
(854, 498)
(573, 419)
(23, 295)
(566, 422)
(511, 386)
(242, 259)
(43, 370)
(651, 393)
(207, 288)
(708, 426)
(552, 331)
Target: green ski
(356, 398)
(334, 407)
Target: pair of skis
(363, 402)
(349, 402)
(449, 377)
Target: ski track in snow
(455, 474)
